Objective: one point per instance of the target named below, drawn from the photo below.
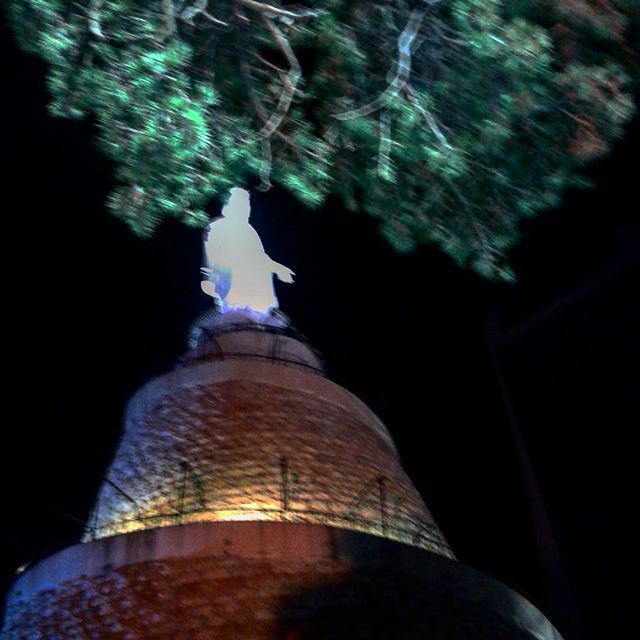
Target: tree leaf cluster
(449, 122)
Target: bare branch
(95, 7)
(169, 17)
(268, 13)
(387, 16)
(199, 8)
(264, 116)
(289, 84)
(189, 13)
(240, 13)
(281, 72)
(212, 18)
(485, 247)
(272, 11)
(384, 147)
(427, 115)
(403, 70)
(265, 169)
(259, 107)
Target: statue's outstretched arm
(283, 273)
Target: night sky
(514, 407)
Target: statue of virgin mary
(239, 273)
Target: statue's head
(238, 205)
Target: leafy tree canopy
(449, 121)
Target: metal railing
(398, 523)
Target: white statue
(239, 272)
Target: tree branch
(427, 115)
(272, 11)
(212, 18)
(384, 147)
(189, 13)
(199, 8)
(253, 96)
(403, 70)
(169, 17)
(95, 7)
(485, 247)
(281, 72)
(265, 169)
(289, 84)
(264, 116)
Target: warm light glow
(248, 511)
(238, 514)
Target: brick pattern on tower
(241, 450)
(263, 581)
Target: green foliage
(485, 122)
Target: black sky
(92, 312)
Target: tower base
(262, 580)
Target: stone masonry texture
(230, 598)
(250, 498)
(243, 450)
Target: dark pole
(558, 596)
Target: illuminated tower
(251, 497)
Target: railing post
(284, 484)
(382, 487)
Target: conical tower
(252, 497)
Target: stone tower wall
(262, 581)
(250, 498)
(246, 440)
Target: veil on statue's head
(238, 205)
